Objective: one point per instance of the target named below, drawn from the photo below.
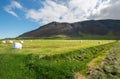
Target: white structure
(21, 41)
(17, 45)
(30, 40)
(10, 41)
(3, 42)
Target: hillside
(87, 29)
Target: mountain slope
(78, 29)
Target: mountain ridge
(98, 28)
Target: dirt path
(79, 76)
(95, 62)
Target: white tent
(3, 42)
(10, 41)
(17, 45)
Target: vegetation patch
(110, 67)
(50, 59)
(63, 66)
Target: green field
(51, 59)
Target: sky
(20, 16)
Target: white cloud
(107, 10)
(13, 5)
(51, 12)
(69, 10)
(74, 10)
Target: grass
(49, 59)
(82, 36)
(108, 68)
(48, 47)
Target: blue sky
(20, 16)
(11, 26)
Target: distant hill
(92, 29)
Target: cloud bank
(69, 10)
(72, 11)
(107, 10)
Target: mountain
(92, 29)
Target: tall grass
(63, 66)
(47, 59)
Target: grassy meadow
(51, 59)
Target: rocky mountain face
(78, 29)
